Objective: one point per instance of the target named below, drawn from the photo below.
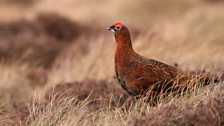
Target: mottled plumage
(137, 74)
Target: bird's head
(120, 31)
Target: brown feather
(137, 74)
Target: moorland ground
(57, 61)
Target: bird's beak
(111, 29)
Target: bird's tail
(207, 78)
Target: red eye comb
(118, 24)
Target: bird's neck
(124, 44)
(124, 50)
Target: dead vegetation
(37, 42)
(19, 2)
(93, 95)
(57, 71)
(100, 94)
(206, 108)
(94, 102)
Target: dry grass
(59, 70)
(200, 108)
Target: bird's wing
(157, 69)
(152, 72)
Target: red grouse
(137, 74)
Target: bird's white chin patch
(112, 30)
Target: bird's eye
(118, 28)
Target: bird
(137, 74)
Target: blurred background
(47, 42)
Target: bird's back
(139, 74)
